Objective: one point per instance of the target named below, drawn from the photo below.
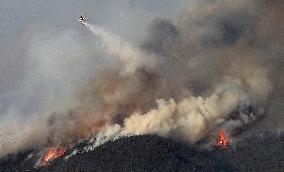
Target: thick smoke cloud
(215, 66)
(211, 68)
(46, 87)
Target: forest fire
(222, 140)
(51, 154)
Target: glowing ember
(51, 154)
(222, 140)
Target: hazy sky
(23, 19)
(43, 47)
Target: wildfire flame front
(51, 154)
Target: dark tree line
(152, 153)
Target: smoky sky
(175, 67)
(18, 18)
(22, 20)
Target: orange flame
(51, 154)
(222, 140)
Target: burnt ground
(153, 153)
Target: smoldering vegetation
(218, 65)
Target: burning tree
(222, 139)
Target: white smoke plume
(131, 57)
(192, 118)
